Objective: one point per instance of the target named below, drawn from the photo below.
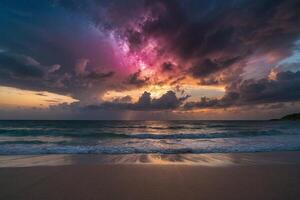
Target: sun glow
(13, 97)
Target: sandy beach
(240, 180)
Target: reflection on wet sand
(212, 160)
(183, 159)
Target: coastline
(203, 159)
(273, 175)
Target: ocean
(142, 137)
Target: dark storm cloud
(196, 31)
(167, 66)
(188, 35)
(208, 66)
(137, 80)
(236, 29)
(126, 99)
(25, 72)
(207, 36)
(100, 75)
(20, 66)
(286, 88)
(167, 101)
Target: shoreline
(205, 159)
(262, 177)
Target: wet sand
(158, 180)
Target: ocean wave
(210, 135)
(64, 133)
(171, 127)
(32, 142)
(103, 135)
(30, 150)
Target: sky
(149, 59)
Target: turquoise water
(131, 137)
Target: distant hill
(291, 117)
(295, 116)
